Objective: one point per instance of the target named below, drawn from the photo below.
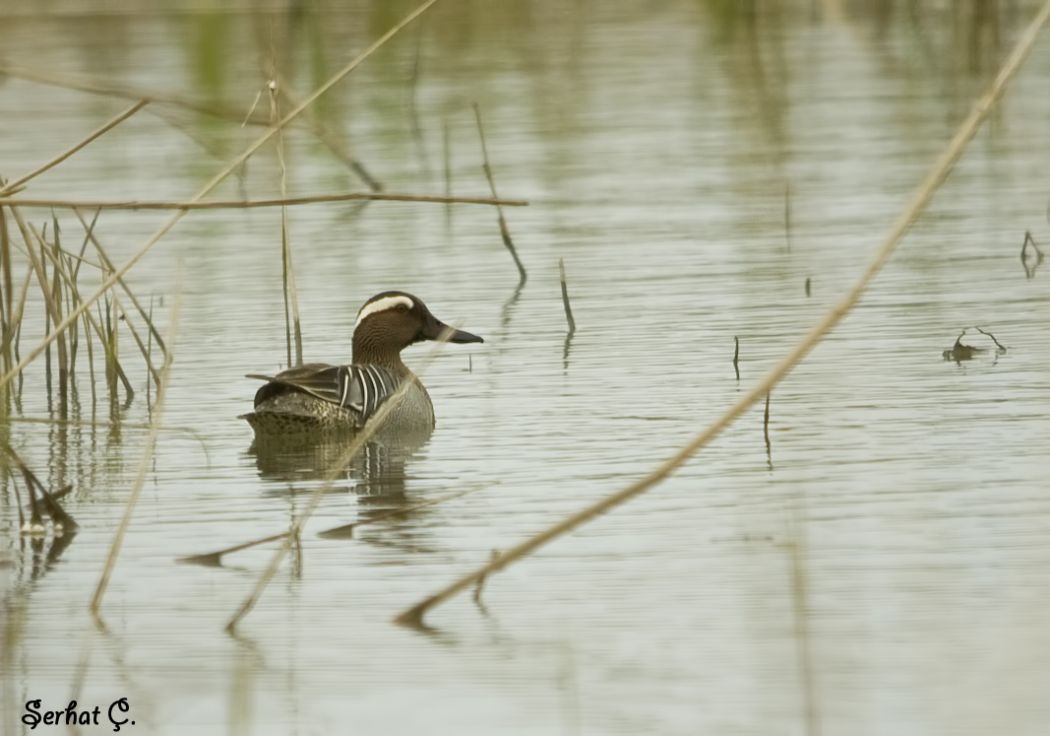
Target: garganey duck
(318, 397)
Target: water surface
(883, 569)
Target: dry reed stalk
(74, 294)
(110, 90)
(196, 204)
(106, 333)
(62, 344)
(72, 267)
(504, 231)
(109, 344)
(11, 339)
(239, 160)
(38, 264)
(446, 156)
(126, 319)
(413, 616)
(292, 322)
(144, 464)
(149, 354)
(7, 297)
(107, 263)
(95, 134)
(361, 437)
(413, 106)
(565, 298)
(765, 433)
(214, 559)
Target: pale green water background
(655, 143)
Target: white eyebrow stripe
(380, 305)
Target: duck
(320, 397)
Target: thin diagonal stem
(144, 465)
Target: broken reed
(504, 230)
(50, 289)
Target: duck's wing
(361, 388)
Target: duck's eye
(401, 308)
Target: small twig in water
(1029, 270)
(999, 346)
(565, 298)
(736, 356)
(480, 585)
(960, 351)
(503, 229)
(214, 559)
(765, 434)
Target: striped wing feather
(359, 388)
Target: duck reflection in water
(378, 469)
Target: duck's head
(392, 320)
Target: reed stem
(196, 204)
(504, 230)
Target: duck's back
(318, 397)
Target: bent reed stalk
(221, 176)
(413, 616)
(504, 230)
(144, 464)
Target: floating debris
(961, 351)
(1030, 269)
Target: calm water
(888, 564)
